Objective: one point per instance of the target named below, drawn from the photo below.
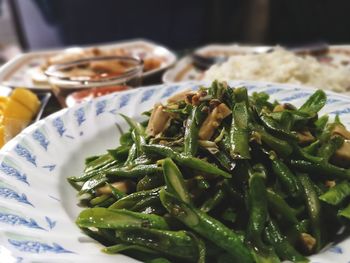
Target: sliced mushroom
(180, 96)
(158, 121)
(330, 183)
(308, 241)
(305, 137)
(196, 98)
(278, 108)
(125, 186)
(282, 107)
(213, 121)
(342, 155)
(341, 131)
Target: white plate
(19, 71)
(37, 205)
(183, 70)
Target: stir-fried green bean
(216, 175)
(239, 134)
(206, 226)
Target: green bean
(285, 176)
(321, 124)
(281, 245)
(327, 150)
(158, 260)
(139, 141)
(174, 181)
(314, 103)
(187, 161)
(266, 255)
(304, 155)
(174, 243)
(191, 131)
(134, 125)
(286, 122)
(202, 251)
(312, 148)
(300, 118)
(131, 200)
(143, 159)
(150, 203)
(275, 127)
(106, 203)
(213, 201)
(257, 204)
(241, 94)
(336, 194)
(92, 173)
(278, 205)
(118, 219)
(99, 199)
(150, 182)
(239, 133)
(100, 236)
(119, 172)
(116, 249)
(120, 153)
(217, 90)
(314, 207)
(345, 212)
(90, 159)
(259, 100)
(206, 226)
(223, 159)
(321, 168)
(76, 185)
(281, 147)
(132, 155)
(137, 171)
(101, 161)
(125, 139)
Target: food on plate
(16, 112)
(215, 175)
(96, 69)
(284, 67)
(151, 61)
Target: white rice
(283, 67)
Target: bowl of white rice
(282, 66)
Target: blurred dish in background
(93, 77)
(184, 70)
(27, 70)
(282, 66)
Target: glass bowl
(85, 79)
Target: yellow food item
(2, 135)
(27, 98)
(16, 112)
(3, 103)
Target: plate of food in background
(27, 70)
(325, 67)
